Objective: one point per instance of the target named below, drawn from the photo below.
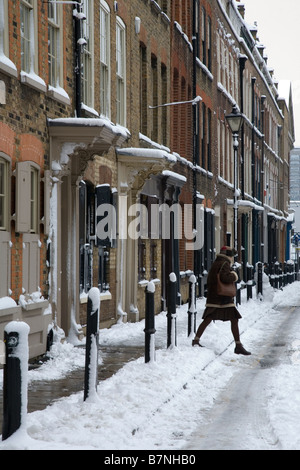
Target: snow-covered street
(188, 398)
(248, 413)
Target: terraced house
(117, 163)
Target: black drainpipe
(77, 48)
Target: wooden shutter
(23, 197)
(103, 196)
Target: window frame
(87, 55)
(25, 27)
(209, 43)
(203, 35)
(55, 71)
(29, 54)
(3, 31)
(105, 72)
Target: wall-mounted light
(137, 24)
(79, 15)
(115, 6)
(81, 41)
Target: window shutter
(114, 201)
(23, 197)
(104, 214)
(5, 263)
(31, 263)
(47, 189)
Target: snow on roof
(91, 122)
(146, 153)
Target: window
(164, 6)
(219, 66)
(104, 59)
(209, 139)
(93, 204)
(86, 234)
(121, 72)
(27, 39)
(87, 55)
(203, 136)
(3, 31)
(3, 193)
(143, 90)
(209, 52)
(203, 35)
(54, 44)
(154, 82)
(164, 99)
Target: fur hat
(226, 250)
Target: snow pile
(158, 405)
(7, 302)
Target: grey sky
(278, 29)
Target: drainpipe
(253, 134)
(262, 99)
(195, 124)
(253, 168)
(242, 61)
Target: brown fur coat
(220, 307)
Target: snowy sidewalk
(159, 405)
(63, 375)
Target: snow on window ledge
(34, 81)
(59, 94)
(33, 301)
(7, 66)
(89, 111)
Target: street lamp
(235, 119)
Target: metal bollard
(249, 281)
(259, 267)
(150, 324)
(15, 377)
(172, 315)
(276, 279)
(92, 343)
(239, 284)
(192, 311)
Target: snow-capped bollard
(192, 311)
(15, 377)
(150, 324)
(172, 315)
(92, 343)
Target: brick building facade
(99, 109)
